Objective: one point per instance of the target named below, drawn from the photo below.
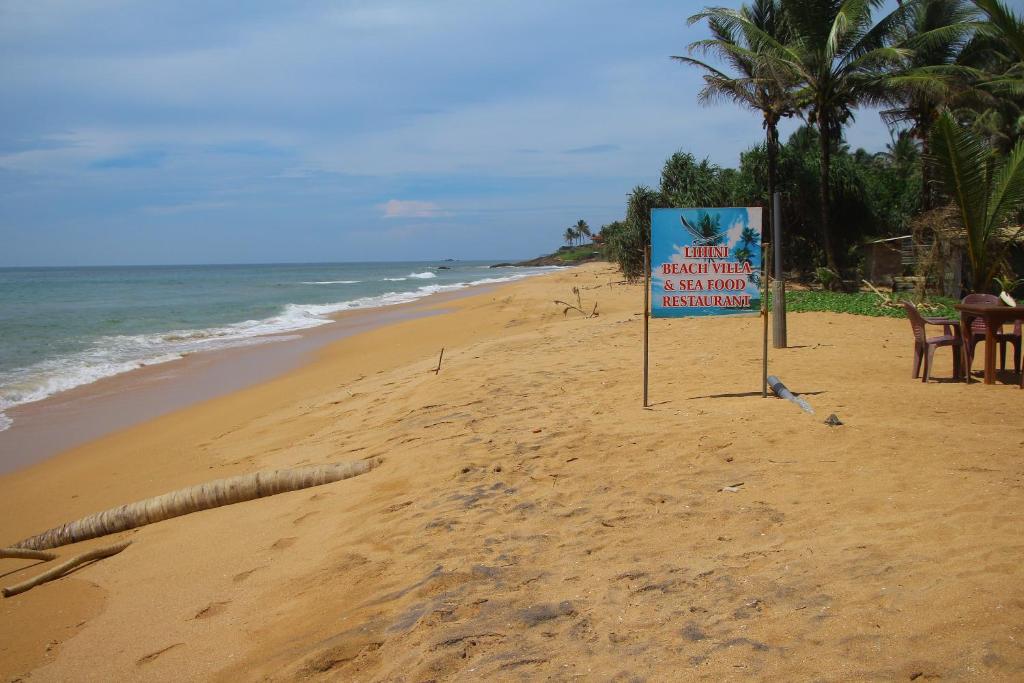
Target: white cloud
(410, 208)
(735, 231)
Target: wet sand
(57, 423)
(531, 520)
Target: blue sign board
(705, 261)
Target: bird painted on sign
(705, 237)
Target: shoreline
(45, 428)
(529, 518)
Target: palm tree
(838, 57)
(987, 194)
(582, 229)
(997, 50)
(751, 86)
(1004, 24)
(709, 228)
(902, 152)
(931, 76)
(628, 239)
(569, 235)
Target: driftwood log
(64, 567)
(193, 499)
(25, 554)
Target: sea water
(64, 327)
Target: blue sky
(224, 132)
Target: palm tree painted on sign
(706, 231)
(744, 253)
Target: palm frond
(1007, 194)
(1004, 87)
(1004, 23)
(962, 159)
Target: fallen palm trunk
(782, 392)
(193, 499)
(64, 567)
(24, 554)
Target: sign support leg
(647, 310)
(765, 257)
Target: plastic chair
(924, 347)
(979, 328)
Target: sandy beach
(530, 520)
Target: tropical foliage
(988, 193)
(946, 72)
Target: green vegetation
(987, 192)
(584, 252)
(861, 304)
(925, 63)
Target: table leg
(964, 332)
(990, 353)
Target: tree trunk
(926, 185)
(825, 144)
(193, 499)
(772, 145)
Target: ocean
(64, 327)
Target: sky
(312, 131)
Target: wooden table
(995, 316)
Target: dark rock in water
(444, 268)
(501, 265)
(833, 421)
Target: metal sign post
(779, 286)
(647, 310)
(766, 250)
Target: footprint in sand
(212, 610)
(146, 659)
(282, 543)
(299, 520)
(242, 576)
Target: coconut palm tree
(997, 50)
(569, 236)
(931, 76)
(988, 194)
(1005, 24)
(838, 57)
(750, 85)
(582, 229)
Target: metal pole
(647, 310)
(765, 256)
(779, 286)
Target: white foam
(425, 275)
(394, 279)
(332, 282)
(114, 355)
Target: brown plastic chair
(924, 347)
(1017, 332)
(979, 327)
